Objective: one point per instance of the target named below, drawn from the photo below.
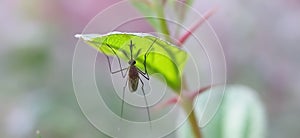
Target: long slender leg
(121, 70)
(109, 63)
(148, 112)
(123, 96)
(145, 59)
(113, 72)
(143, 74)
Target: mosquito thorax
(131, 62)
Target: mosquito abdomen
(133, 78)
(133, 84)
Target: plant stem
(194, 125)
(162, 21)
(187, 105)
(184, 84)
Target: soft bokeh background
(260, 39)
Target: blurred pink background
(260, 40)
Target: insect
(133, 72)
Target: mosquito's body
(133, 76)
(133, 73)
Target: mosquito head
(131, 62)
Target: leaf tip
(78, 36)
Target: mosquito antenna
(123, 51)
(137, 53)
(131, 46)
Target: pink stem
(194, 94)
(206, 15)
(171, 101)
(191, 96)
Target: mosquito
(133, 72)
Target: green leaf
(162, 57)
(241, 115)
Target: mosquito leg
(148, 112)
(145, 74)
(123, 96)
(113, 72)
(121, 69)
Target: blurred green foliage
(241, 115)
(37, 47)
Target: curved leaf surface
(158, 55)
